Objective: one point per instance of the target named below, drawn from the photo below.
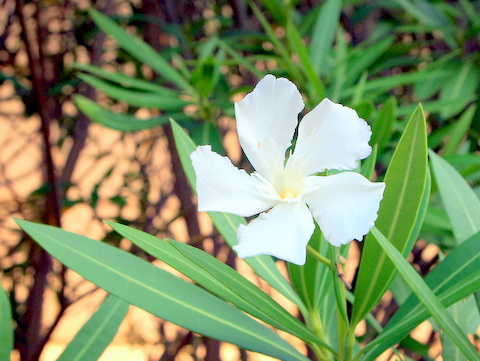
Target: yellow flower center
(288, 194)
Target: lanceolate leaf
(218, 278)
(459, 200)
(227, 224)
(134, 97)
(382, 128)
(118, 121)
(405, 185)
(456, 277)
(158, 292)
(139, 49)
(6, 327)
(463, 208)
(92, 339)
(125, 80)
(427, 297)
(459, 129)
(323, 33)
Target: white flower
(331, 136)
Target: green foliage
(97, 333)
(427, 297)
(380, 59)
(6, 330)
(157, 291)
(405, 186)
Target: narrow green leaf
(368, 165)
(218, 278)
(312, 280)
(134, 97)
(323, 34)
(227, 224)
(97, 333)
(459, 200)
(278, 45)
(382, 128)
(434, 106)
(276, 9)
(456, 277)
(139, 49)
(6, 327)
(158, 292)
(460, 88)
(459, 131)
(450, 351)
(315, 85)
(118, 121)
(338, 73)
(426, 296)
(240, 59)
(125, 80)
(405, 186)
(463, 208)
(383, 84)
(363, 58)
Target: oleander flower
(285, 188)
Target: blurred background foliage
(85, 135)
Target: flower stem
(318, 256)
(315, 324)
(340, 296)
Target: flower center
(289, 194)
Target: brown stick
(32, 344)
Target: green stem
(339, 288)
(315, 324)
(350, 343)
(318, 256)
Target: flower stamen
(289, 194)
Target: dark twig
(33, 341)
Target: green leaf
(134, 97)
(382, 128)
(427, 297)
(292, 68)
(364, 108)
(405, 181)
(450, 352)
(218, 278)
(139, 49)
(458, 131)
(227, 224)
(460, 88)
(126, 81)
(158, 291)
(453, 279)
(97, 333)
(459, 200)
(364, 57)
(368, 165)
(6, 327)
(312, 280)
(118, 121)
(315, 85)
(386, 83)
(323, 34)
(276, 9)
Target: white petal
(266, 121)
(331, 136)
(345, 205)
(222, 187)
(283, 232)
